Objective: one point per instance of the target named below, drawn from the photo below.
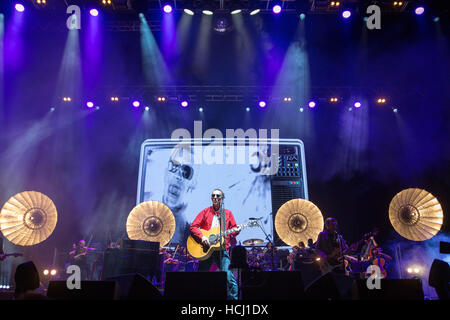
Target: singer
(213, 217)
(331, 246)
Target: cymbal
(151, 221)
(28, 218)
(298, 220)
(416, 214)
(252, 242)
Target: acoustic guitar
(202, 252)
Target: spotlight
(114, 99)
(395, 110)
(398, 3)
(253, 12)
(302, 16)
(276, 9)
(184, 104)
(247, 109)
(136, 103)
(287, 99)
(52, 109)
(107, 2)
(161, 99)
(436, 19)
(335, 4)
(43, 2)
(333, 99)
(346, 14)
(147, 108)
(381, 100)
(167, 8)
(301, 109)
(207, 12)
(311, 104)
(200, 109)
(357, 104)
(53, 272)
(419, 10)
(19, 7)
(262, 104)
(236, 11)
(46, 272)
(189, 12)
(93, 12)
(97, 108)
(67, 99)
(90, 104)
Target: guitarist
(329, 245)
(207, 219)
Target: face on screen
(178, 179)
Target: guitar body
(198, 250)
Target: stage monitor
(257, 177)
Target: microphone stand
(268, 239)
(222, 223)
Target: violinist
(378, 258)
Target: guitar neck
(227, 232)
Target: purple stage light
(262, 104)
(357, 104)
(167, 8)
(184, 103)
(93, 12)
(346, 14)
(311, 104)
(19, 7)
(276, 9)
(419, 10)
(90, 104)
(136, 104)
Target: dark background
(87, 161)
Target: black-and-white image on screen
(173, 177)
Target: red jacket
(204, 221)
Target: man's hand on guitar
(205, 241)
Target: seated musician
(376, 253)
(209, 218)
(328, 246)
(77, 256)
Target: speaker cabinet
(136, 287)
(330, 286)
(196, 286)
(390, 289)
(90, 290)
(272, 285)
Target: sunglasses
(215, 195)
(186, 171)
